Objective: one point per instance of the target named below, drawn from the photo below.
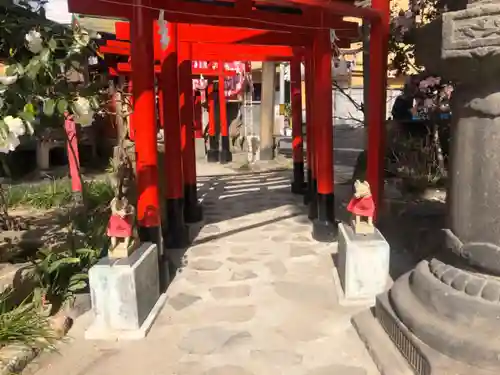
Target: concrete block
(200, 148)
(362, 265)
(125, 295)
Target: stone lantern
(444, 315)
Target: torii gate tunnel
(309, 22)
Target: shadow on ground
(414, 231)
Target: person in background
(402, 109)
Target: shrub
(24, 325)
(57, 193)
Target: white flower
(84, 115)
(9, 144)
(85, 120)
(8, 80)
(35, 41)
(81, 106)
(15, 125)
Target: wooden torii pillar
(142, 59)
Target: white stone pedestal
(125, 295)
(200, 148)
(362, 265)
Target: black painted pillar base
(298, 184)
(149, 234)
(176, 235)
(152, 234)
(213, 149)
(313, 200)
(324, 227)
(225, 155)
(193, 211)
(213, 156)
(308, 188)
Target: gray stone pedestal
(125, 295)
(362, 265)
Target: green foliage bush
(57, 194)
(24, 325)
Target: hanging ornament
(163, 31)
(340, 67)
(334, 39)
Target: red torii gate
(313, 17)
(196, 52)
(213, 34)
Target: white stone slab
(200, 148)
(362, 265)
(125, 295)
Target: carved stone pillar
(444, 316)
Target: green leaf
(45, 55)
(85, 252)
(62, 106)
(4, 130)
(78, 277)
(52, 44)
(20, 69)
(94, 102)
(29, 107)
(27, 116)
(76, 287)
(48, 107)
(11, 70)
(61, 262)
(33, 67)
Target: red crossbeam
(214, 51)
(346, 32)
(310, 15)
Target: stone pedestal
(363, 265)
(43, 149)
(443, 315)
(200, 148)
(125, 295)
(267, 109)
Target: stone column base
(438, 322)
(397, 351)
(266, 153)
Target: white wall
(343, 109)
(57, 10)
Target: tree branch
(358, 106)
(350, 117)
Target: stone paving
(254, 296)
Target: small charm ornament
(362, 205)
(121, 228)
(163, 31)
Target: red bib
(362, 206)
(120, 227)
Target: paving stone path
(254, 296)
